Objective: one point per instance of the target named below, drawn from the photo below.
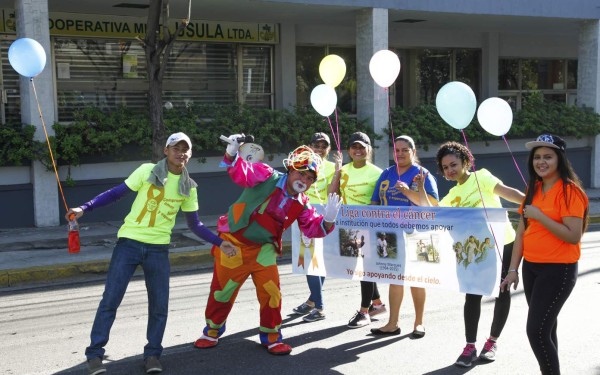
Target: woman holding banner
(554, 218)
(397, 187)
(477, 189)
(355, 183)
(321, 145)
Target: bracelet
(513, 270)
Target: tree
(157, 45)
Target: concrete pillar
(285, 66)
(32, 22)
(372, 36)
(489, 83)
(588, 83)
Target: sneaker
(488, 353)
(95, 366)
(314, 315)
(153, 365)
(303, 309)
(359, 320)
(377, 309)
(467, 357)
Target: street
(45, 330)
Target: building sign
(86, 25)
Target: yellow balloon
(332, 70)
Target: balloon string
(472, 160)
(62, 194)
(335, 139)
(337, 128)
(391, 125)
(514, 161)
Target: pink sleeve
(311, 223)
(248, 174)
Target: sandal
(419, 332)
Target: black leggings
(472, 309)
(368, 293)
(547, 287)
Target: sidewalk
(39, 255)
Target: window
(109, 73)
(433, 68)
(307, 75)
(10, 108)
(556, 80)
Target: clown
(270, 202)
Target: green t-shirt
(357, 185)
(154, 209)
(317, 193)
(467, 195)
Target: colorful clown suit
(255, 223)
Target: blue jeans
(315, 285)
(126, 256)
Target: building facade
(266, 54)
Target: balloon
(27, 57)
(323, 99)
(456, 103)
(384, 67)
(332, 70)
(495, 116)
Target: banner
(455, 249)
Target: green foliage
(97, 134)
(17, 146)
(275, 130)
(424, 124)
(125, 135)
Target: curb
(20, 277)
(182, 260)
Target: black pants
(472, 309)
(547, 287)
(368, 293)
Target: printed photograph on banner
(354, 243)
(472, 247)
(387, 245)
(423, 247)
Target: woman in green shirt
(355, 183)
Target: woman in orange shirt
(554, 216)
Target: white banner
(456, 249)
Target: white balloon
(495, 116)
(323, 99)
(384, 67)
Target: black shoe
(418, 333)
(379, 332)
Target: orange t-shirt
(541, 246)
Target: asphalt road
(44, 330)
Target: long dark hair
(567, 176)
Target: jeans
(126, 256)
(315, 285)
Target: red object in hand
(74, 245)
